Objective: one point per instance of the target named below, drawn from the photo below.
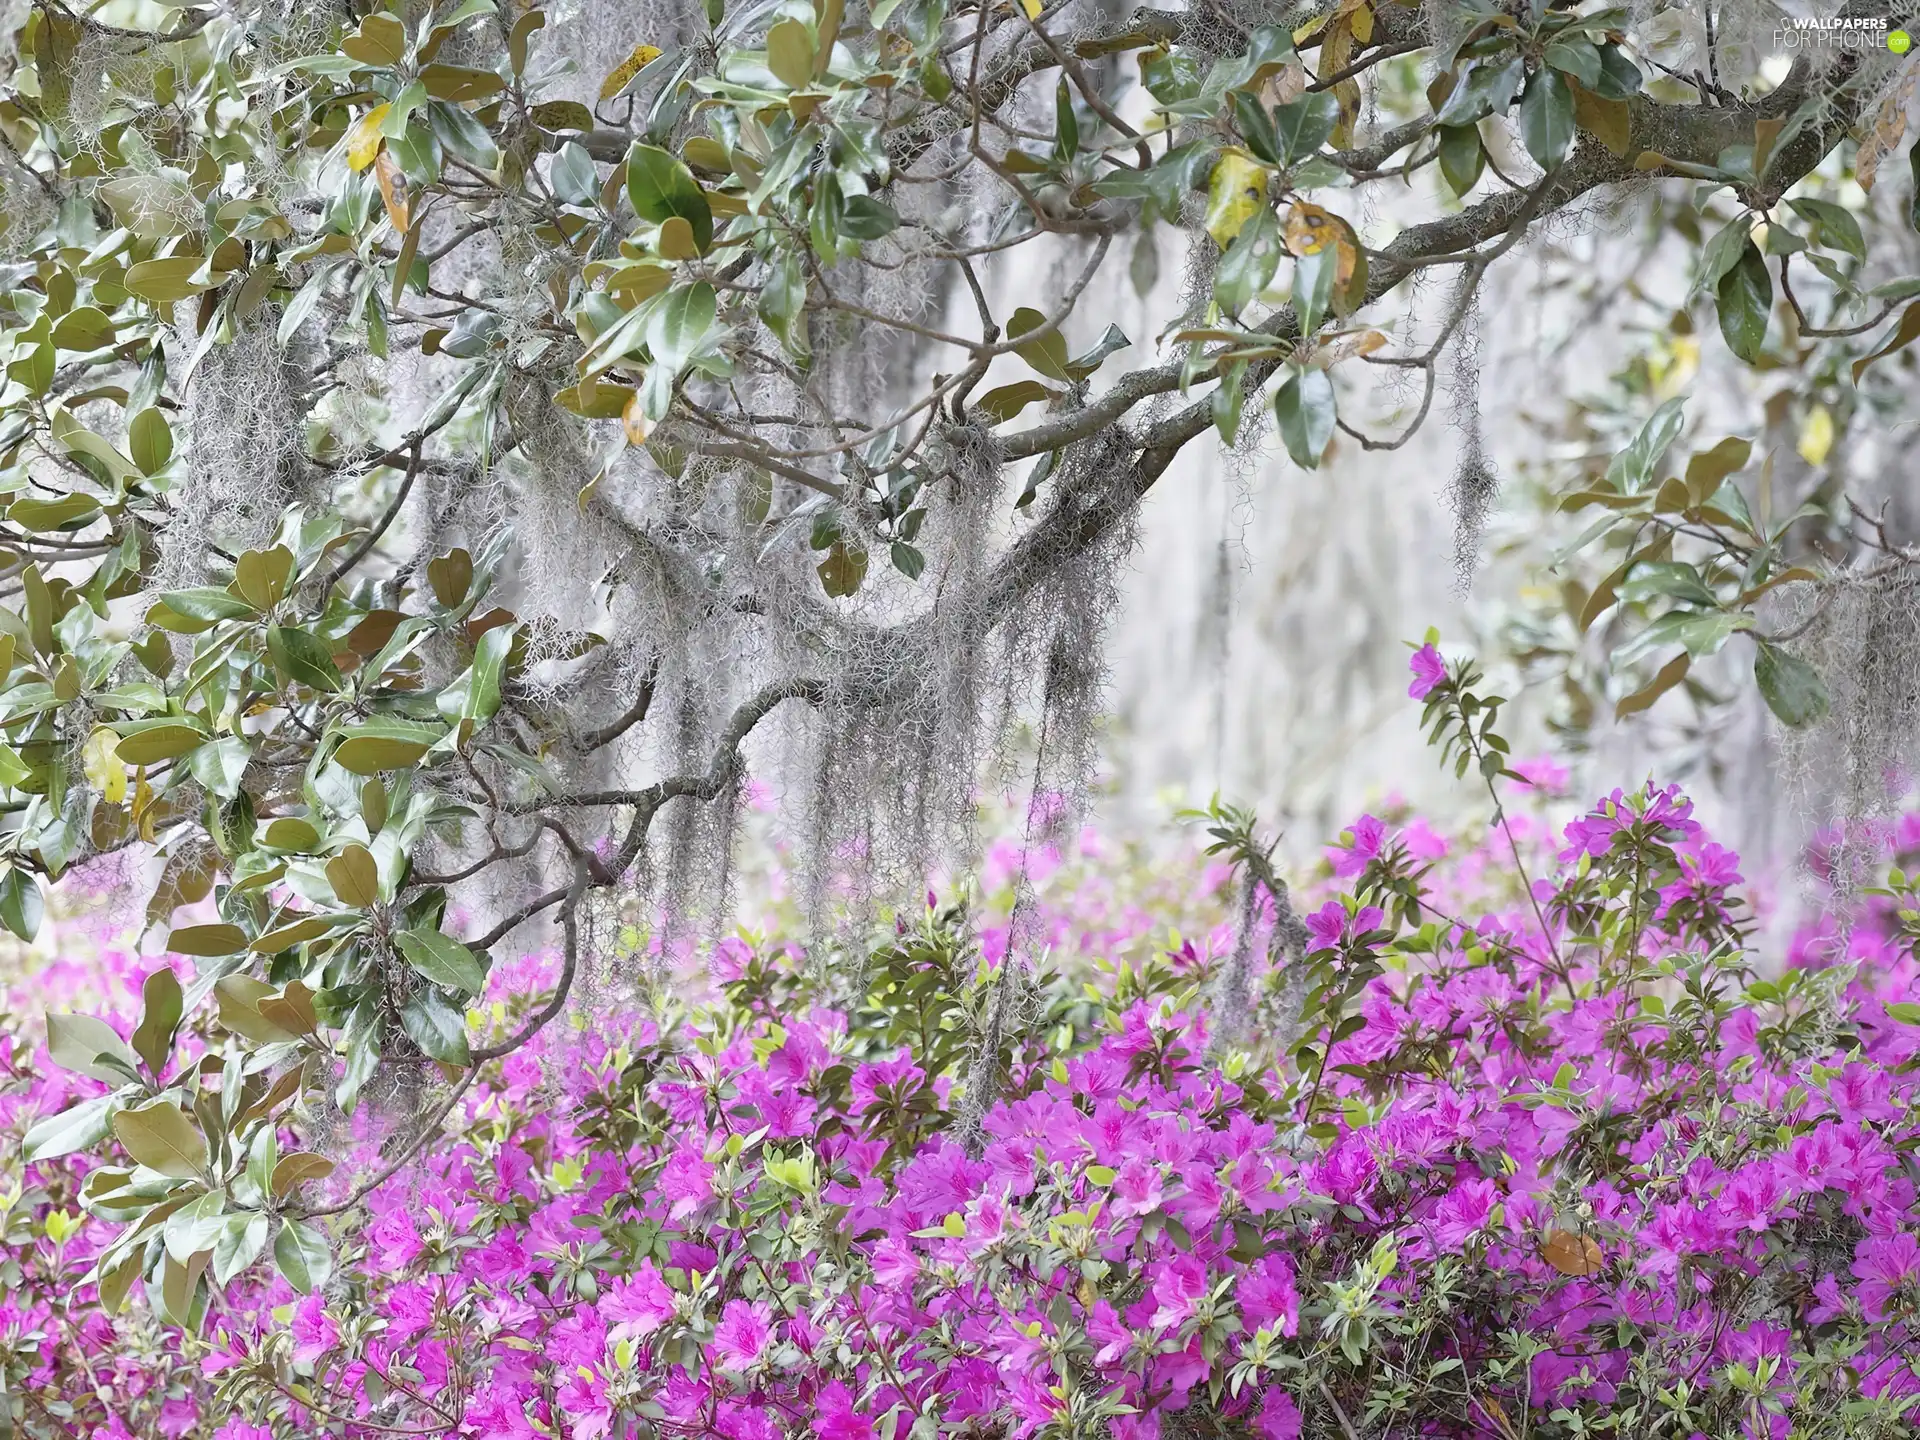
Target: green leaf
(150, 441)
(1546, 118)
(302, 659)
(1744, 298)
(221, 765)
(1305, 408)
(1913, 165)
(148, 742)
(661, 186)
(436, 1027)
(1302, 126)
(1903, 1011)
(303, 1255)
(203, 941)
(1790, 686)
(1634, 467)
(1834, 226)
(1249, 264)
(1488, 89)
(1461, 157)
(159, 1018)
(865, 218)
(790, 53)
(1066, 124)
(1004, 402)
(161, 1137)
(1048, 354)
(206, 603)
(1723, 252)
(78, 1127)
(243, 1235)
(384, 745)
(1250, 118)
(355, 877)
(196, 1226)
(76, 1043)
(21, 904)
(783, 303)
(1313, 280)
(1575, 56)
(443, 960)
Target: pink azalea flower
(1429, 672)
(743, 1334)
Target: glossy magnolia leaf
(1833, 225)
(1304, 406)
(1791, 687)
(207, 940)
(450, 576)
(284, 937)
(303, 1255)
(436, 1027)
(241, 1238)
(78, 1127)
(1571, 1254)
(1744, 299)
(161, 1006)
(1706, 470)
(1047, 354)
(290, 833)
(22, 907)
(150, 441)
(150, 742)
(355, 877)
(1250, 262)
(1006, 401)
(77, 1043)
(661, 187)
(1671, 674)
(162, 1138)
(162, 282)
(1546, 118)
(239, 998)
(301, 659)
(1302, 126)
(385, 745)
(1461, 157)
(1904, 334)
(296, 1170)
(1488, 89)
(443, 960)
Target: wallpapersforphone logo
(1838, 32)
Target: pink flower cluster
(1565, 1168)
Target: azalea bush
(1507, 1134)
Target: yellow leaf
(1310, 229)
(101, 762)
(143, 815)
(1816, 436)
(675, 240)
(1237, 188)
(1032, 7)
(393, 191)
(1572, 1254)
(617, 78)
(364, 139)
